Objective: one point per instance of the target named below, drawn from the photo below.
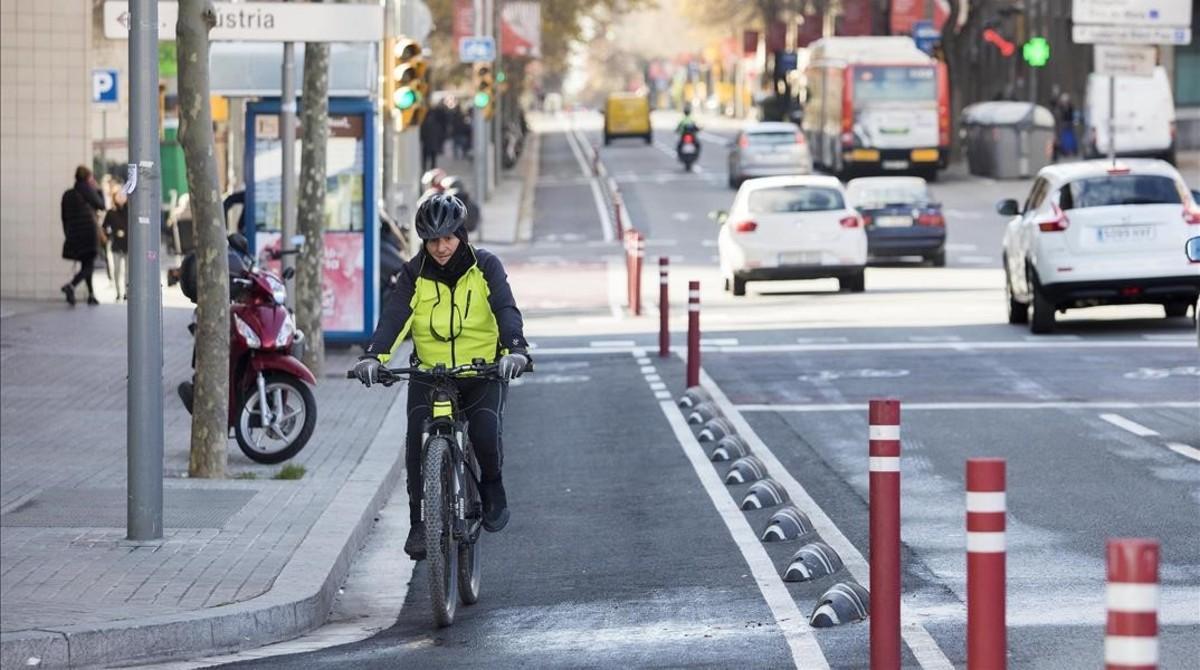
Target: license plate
(689, 148)
(800, 258)
(893, 221)
(895, 165)
(1124, 233)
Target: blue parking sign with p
(104, 86)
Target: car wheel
(1018, 312)
(738, 286)
(938, 260)
(732, 181)
(855, 283)
(649, 139)
(1176, 309)
(1042, 320)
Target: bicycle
(453, 523)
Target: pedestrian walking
(433, 136)
(82, 234)
(460, 126)
(116, 228)
(1064, 119)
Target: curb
(299, 600)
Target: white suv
(1094, 233)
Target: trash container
(1008, 140)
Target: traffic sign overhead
(264, 21)
(1174, 13)
(1119, 60)
(478, 49)
(1112, 34)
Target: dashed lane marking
(975, 260)
(1184, 450)
(1130, 426)
(972, 406)
(607, 343)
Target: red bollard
(987, 637)
(630, 246)
(639, 257)
(664, 309)
(884, 500)
(1131, 636)
(693, 341)
(617, 216)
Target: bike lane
(615, 555)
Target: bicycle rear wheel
(441, 548)
(469, 565)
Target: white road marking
(981, 260)
(681, 216)
(662, 395)
(957, 247)
(1130, 426)
(919, 641)
(908, 346)
(719, 342)
(972, 406)
(1184, 450)
(616, 287)
(806, 652)
(821, 340)
(661, 243)
(1058, 338)
(935, 338)
(708, 243)
(607, 343)
(1171, 338)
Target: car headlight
(247, 333)
(278, 289)
(285, 331)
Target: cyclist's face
(442, 248)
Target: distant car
(627, 115)
(791, 228)
(1094, 233)
(1145, 116)
(900, 216)
(769, 148)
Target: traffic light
(485, 93)
(408, 87)
(1036, 52)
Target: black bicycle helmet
(439, 215)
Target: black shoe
(92, 300)
(187, 393)
(414, 546)
(69, 291)
(495, 506)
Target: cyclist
(456, 303)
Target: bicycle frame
(446, 423)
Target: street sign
(478, 49)
(1119, 60)
(925, 35)
(1111, 34)
(265, 21)
(1036, 52)
(785, 61)
(1170, 13)
(104, 86)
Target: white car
(1094, 233)
(791, 228)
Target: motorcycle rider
(432, 300)
(687, 125)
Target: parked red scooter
(272, 409)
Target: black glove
(367, 370)
(511, 366)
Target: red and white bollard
(617, 215)
(596, 160)
(664, 309)
(1131, 636)
(884, 500)
(987, 641)
(639, 257)
(693, 338)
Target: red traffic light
(1006, 48)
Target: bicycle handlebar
(389, 376)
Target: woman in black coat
(79, 206)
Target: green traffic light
(1036, 52)
(482, 99)
(500, 77)
(405, 98)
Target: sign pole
(287, 138)
(1112, 119)
(144, 413)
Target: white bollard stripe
(693, 308)
(885, 464)
(1136, 598)
(985, 501)
(663, 280)
(884, 432)
(694, 294)
(1120, 650)
(985, 543)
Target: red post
(884, 500)
(693, 341)
(630, 250)
(617, 215)
(987, 638)
(639, 257)
(1131, 636)
(664, 309)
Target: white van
(1145, 116)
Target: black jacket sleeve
(396, 311)
(91, 197)
(503, 304)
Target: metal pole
(498, 106)
(1112, 119)
(144, 413)
(479, 154)
(287, 138)
(104, 141)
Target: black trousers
(87, 267)
(481, 402)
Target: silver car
(768, 149)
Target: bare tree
(210, 407)
(310, 219)
(956, 45)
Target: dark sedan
(901, 218)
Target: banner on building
(749, 43)
(464, 20)
(809, 30)
(521, 29)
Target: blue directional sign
(104, 86)
(477, 49)
(925, 35)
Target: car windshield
(1113, 190)
(894, 84)
(770, 139)
(878, 195)
(794, 199)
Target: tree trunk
(310, 219)
(210, 408)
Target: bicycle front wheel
(441, 547)
(469, 569)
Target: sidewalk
(243, 562)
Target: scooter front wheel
(281, 433)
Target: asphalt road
(625, 548)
